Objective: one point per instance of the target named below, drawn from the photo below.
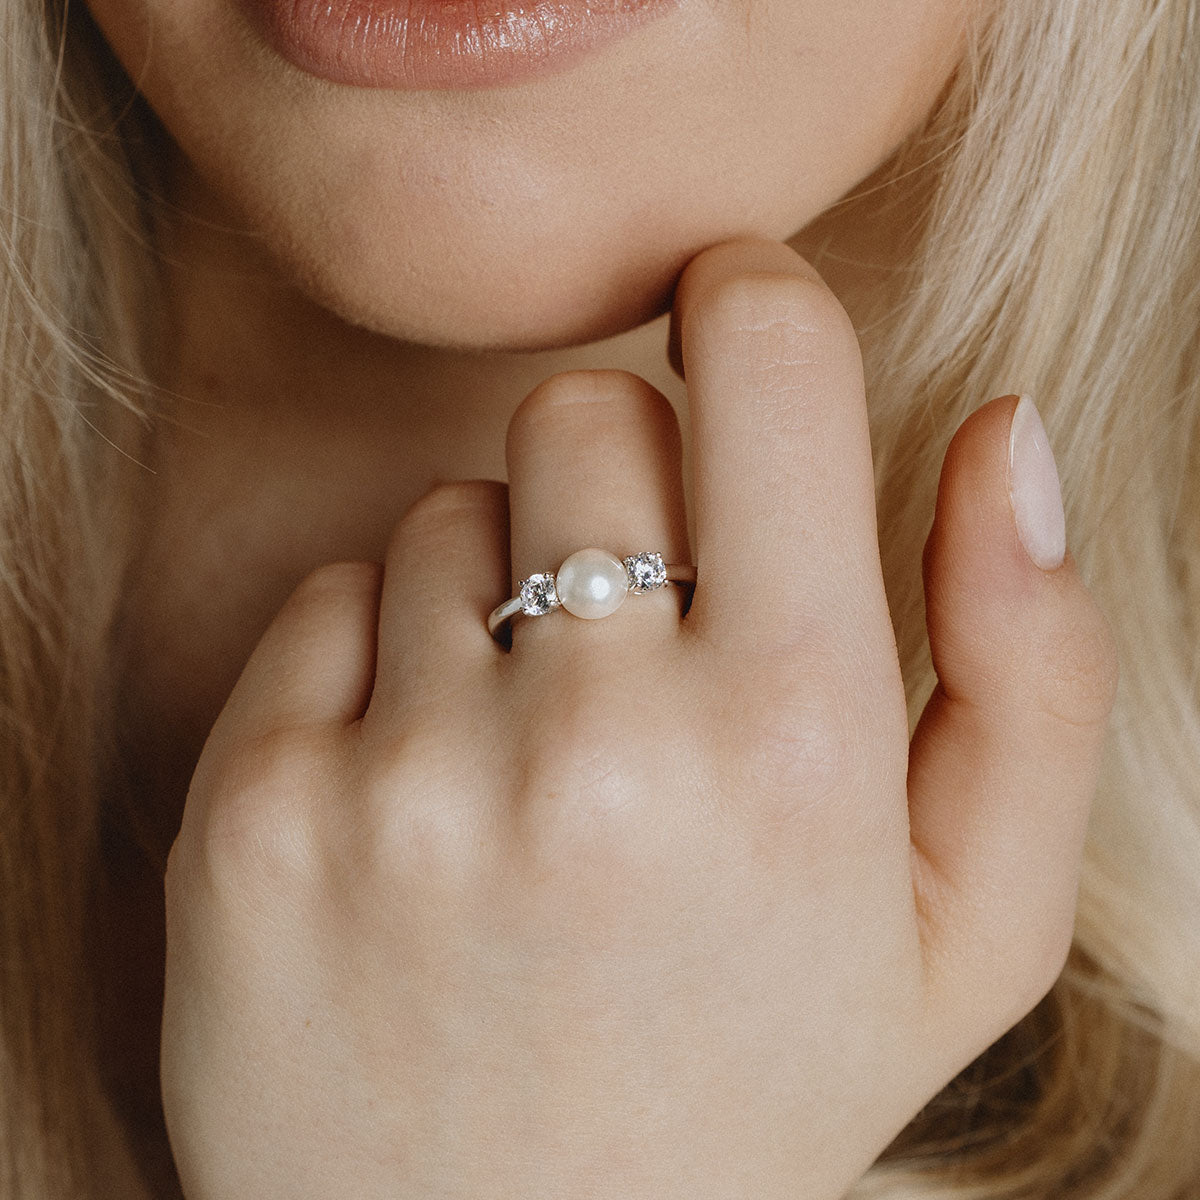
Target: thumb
(1004, 761)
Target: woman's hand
(647, 906)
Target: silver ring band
(590, 583)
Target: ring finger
(595, 460)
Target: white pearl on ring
(591, 583)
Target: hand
(648, 906)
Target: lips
(410, 44)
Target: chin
(501, 305)
(451, 289)
(530, 308)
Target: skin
(300, 205)
(370, 292)
(446, 919)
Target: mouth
(444, 44)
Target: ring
(590, 583)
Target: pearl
(591, 583)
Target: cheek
(556, 211)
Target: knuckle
(798, 736)
(1080, 670)
(257, 823)
(583, 775)
(330, 584)
(1017, 947)
(798, 317)
(449, 497)
(418, 820)
(796, 750)
(579, 726)
(587, 819)
(1030, 968)
(440, 517)
(548, 399)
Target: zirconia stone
(646, 572)
(538, 595)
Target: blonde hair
(76, 277)
(1058, 255)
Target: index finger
(787, 546)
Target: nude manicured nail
(1034, 488)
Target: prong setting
(646, 571)
(538, 594)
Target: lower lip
(410, 44)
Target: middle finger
(786, 536)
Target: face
(547, 212)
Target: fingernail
(1034, 488)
